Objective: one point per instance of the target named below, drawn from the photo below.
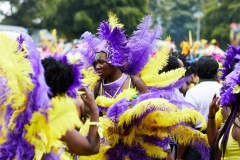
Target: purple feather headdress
(230, 75)
(130, 55)
(89, 44)
(111, 41)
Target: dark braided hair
(206, 67)
(173, 63)
(58, 76)
(224, 134)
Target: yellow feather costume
(26, 129)
(146, 126)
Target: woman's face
(103, 69)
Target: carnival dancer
(136, 125)
(37, 117)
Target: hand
(88, 99)
(214, 106)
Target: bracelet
(94, 123)
(211, 117)
(100, 129)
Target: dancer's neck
(117, 74)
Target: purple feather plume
(121, 151)
(88, 47)
(51, 156)
(178, 84)
(4, 91)
(16, 146)
(117, 41)
(163, 143)
(117, 109)
(141, 44)
(231, 54)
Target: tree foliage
(73, 17)
(219, 14)
(176, 17)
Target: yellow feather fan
(156, 63)
(184, 135)
(165, 78)
(107, 102)
(90, 78)
(17, 69)
(113, 21)
(140, 108)
(44, 133)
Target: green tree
(176, 17)
(219, 14)
(23, 13)
(73, 17)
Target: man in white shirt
(201, 95)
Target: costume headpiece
(230, 76)
(130, 55)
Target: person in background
(227, 138)
(201, 96)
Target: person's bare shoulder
(140, 85)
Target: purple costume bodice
(111, 90)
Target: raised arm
(212, 131)
(79, 144)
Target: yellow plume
(165, 78)
(74, 58)
(16, 68)
(219, 118)
(140, 108)
(185, 135)
(190, 37)
(107, 102)
(44, 133)
(113, 21)
(154, 151)
(185, 47)
(156, 63)
(49, 44)
(236, 89)
(90, 78)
